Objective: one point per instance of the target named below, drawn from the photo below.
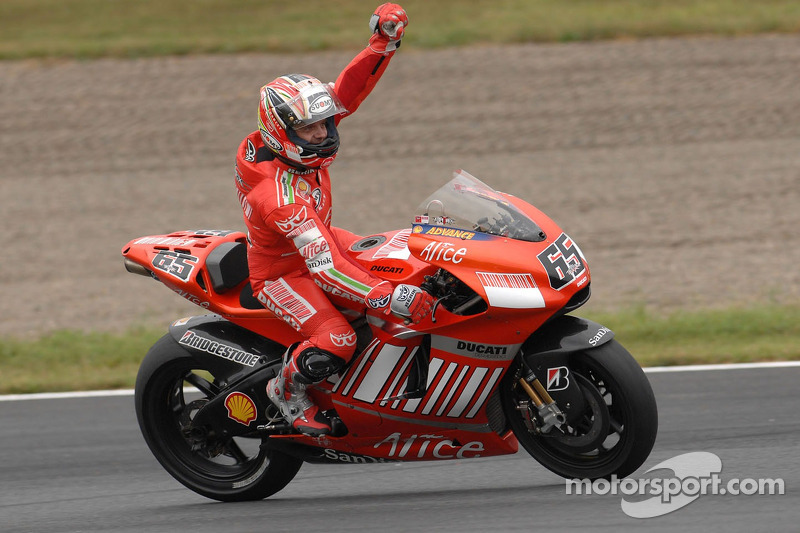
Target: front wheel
(615, 433)
(170, 387)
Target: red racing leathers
(297, 260)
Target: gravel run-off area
(674, 163)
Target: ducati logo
(343, 340)
(557, 378)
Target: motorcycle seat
(227, 266)
(227, 269)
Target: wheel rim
(590, 431)
(597, 439)
(205, 457)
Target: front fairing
(503, 248)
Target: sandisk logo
(602, 332)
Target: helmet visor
(313, 103)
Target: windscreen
(467, 203)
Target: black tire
(237, 470)
(617, 429)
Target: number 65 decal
(175, 264)
(563, 262)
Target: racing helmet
(294, 101)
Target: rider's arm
(339, 275)
(324, 258)
(358, 79)
(344, 237)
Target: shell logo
(302, 188)
(240, 408)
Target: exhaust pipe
(136, 268)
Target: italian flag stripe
(287, 186)
(348, 282)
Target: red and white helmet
(294, 101)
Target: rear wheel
(614, 434)
(170, 387)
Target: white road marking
(648, 370)
(731, 366)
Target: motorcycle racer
(298, 267)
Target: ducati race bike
(499, 362)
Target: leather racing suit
(297, 260)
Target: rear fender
(245, 362)
(547, 352)
(222, 346)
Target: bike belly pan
(449, 419)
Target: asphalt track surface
(80, 465)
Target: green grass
(69, 360)
(121, 28)
(768, 333)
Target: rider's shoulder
(293, 218)
(253, 152)
(282, 195)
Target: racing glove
(406, 301)
(388, 25)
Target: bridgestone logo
(224, 351)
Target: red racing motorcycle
(498, 363)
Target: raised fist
(388, 25)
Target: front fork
(549, 413)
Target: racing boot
(287, 391)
